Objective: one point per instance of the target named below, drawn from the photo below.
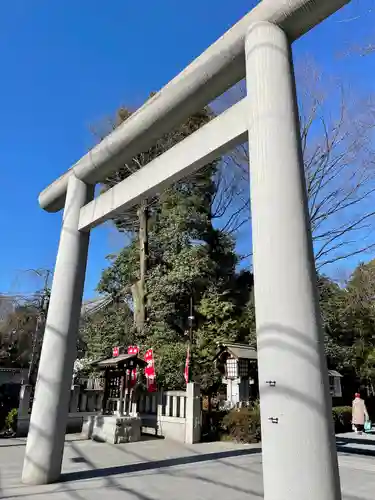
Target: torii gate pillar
(298, 448)
(45, 442)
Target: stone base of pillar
(113, 429)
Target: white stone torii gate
(299, 455)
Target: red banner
(133, 349)
(150, 371)
(115, 352)
(187, 366)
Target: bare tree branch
(362, 10)
(336, 136)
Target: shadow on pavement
(158, 464)
(347, 445)
(369, 441)
(10, 445)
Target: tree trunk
(139, 288)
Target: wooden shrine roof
(238, 351)
(123, 360)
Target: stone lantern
(237, 363)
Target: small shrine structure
(119, 421)
(119, 382)
(238, 365)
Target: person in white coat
(359, 414)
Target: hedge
(243, 424)
(342, 418)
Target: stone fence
(81, 405)
(171, 414)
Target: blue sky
(66, 65)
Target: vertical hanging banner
(115, 352)
(133, 349)
(150, 371)
(187, 366)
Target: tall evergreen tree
(105, 329)
(188, 259)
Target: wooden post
(24, 402)
(128, 391)
(132, 395)
(74, 399)
(120, 407)
(105, 391)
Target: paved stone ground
(164, 470)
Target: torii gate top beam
(217, 69)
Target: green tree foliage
(360, 321)
(333, 302)
(349, 323)
(188, 257)
(170, 360)
(17, 331)
(106, 328)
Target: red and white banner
(115, 352)
(187, 366)
(150, 371)
(133, 349)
